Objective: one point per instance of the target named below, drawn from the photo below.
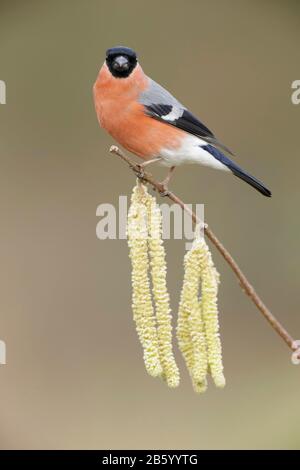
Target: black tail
(250, 180)
(238, 171)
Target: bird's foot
(140, 171)
(163, 189)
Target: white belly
(190, 151)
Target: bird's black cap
(120, 50)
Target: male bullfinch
(149, 122)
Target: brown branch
(244, 283)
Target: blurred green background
(74, 376)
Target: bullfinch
(149, 122)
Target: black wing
(184, 120)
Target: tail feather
(238, 171)
(251, 180)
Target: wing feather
(161, 105)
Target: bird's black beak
(120, 64)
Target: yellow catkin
(200, 366)
(141, 296)
(198, 325)
(190, 330)
(160, 293)
(209, 284)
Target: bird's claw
(140, 171)
(164, 191)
